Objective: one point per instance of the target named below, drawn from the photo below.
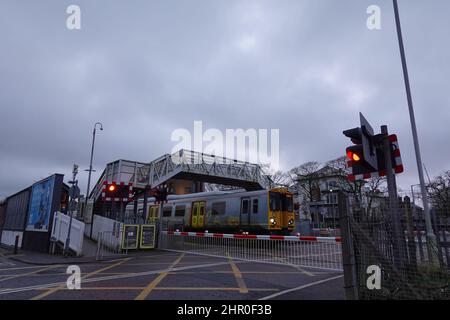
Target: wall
(60, 230)
(17, 210)
(185, 186)
(9, 237)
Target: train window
(179, 211)
(245, 206)
(218, 208)
(167, 211)
(255, 206)
(275, 201)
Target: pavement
(38, 258)
(165, 275)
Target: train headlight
(273, 221)
(291, 222)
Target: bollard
(16, 245)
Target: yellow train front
(256, 212)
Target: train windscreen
(275, 201)
(287, 203)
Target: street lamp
(90, 164)
(431, 238)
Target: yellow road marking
(152, 285)
(29, 273)
(294, 266)
(53, 290)
(238, 275)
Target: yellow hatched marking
(152, 285)
(238, 275)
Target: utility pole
(431, 238)
(90, 170)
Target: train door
(198, 214)
(245, 212)
(153, 213)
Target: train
(235, 211)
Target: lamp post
(90, 164)
(431, 238)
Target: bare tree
(439, 193)
(306, 175)
(281, 179)
(373, 187)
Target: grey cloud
(146, 68)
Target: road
(169, 275)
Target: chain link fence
(390, 255)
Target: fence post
(348, 256)
(16, 244)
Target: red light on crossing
(112, 188)
(353, 156)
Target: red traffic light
(353, 156)
(112, 188)
(355, 153)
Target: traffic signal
(160, 193)
(111, 188)
(363, 153)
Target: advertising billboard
(41, 205)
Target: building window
(218, 208)
(332, 198)
(331, 185)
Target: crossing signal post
(160, 193)
(366, 158)
(375, 156)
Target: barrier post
(16, 244)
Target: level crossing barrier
(299, 251)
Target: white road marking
(131, 275)
(300, 288)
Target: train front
(281, 210)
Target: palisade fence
(301, 251)
(411, 267)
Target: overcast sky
(146, 68)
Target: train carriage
(262, 212)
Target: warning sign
(130, 236)
(147, 236)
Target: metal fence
(311, 252)
(109, 242)
(395, 242)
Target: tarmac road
(168, 275)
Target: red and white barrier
(254, 236)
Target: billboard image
(41, 205)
